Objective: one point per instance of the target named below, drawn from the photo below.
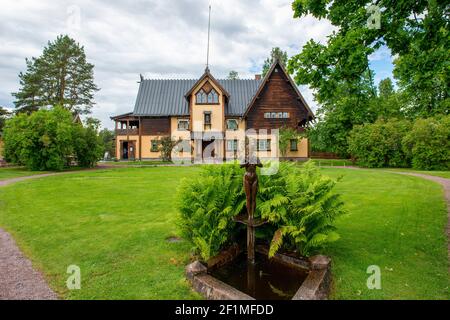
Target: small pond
(265, 280)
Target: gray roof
(167, 97)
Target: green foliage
(286, 135)
(428, 143)
(108, 141)
(379, 144)
(207, 205)
(233, 75)
(166, 146)
(416, 32)
(297, 201)
(60, 76)
(275, 54)
(87, 145)
(300, 203)
(4, 115)
(49, 140)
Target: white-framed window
(267, 115)
(232, 145)
(280, 115)
(264, 144)
(232, 124)
(286, 115)
(183, 125)
(273, 115)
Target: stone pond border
(315, 287)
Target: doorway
(128, 150)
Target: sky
(159, 39)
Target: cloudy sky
(158, 38)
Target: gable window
(201, 97)
(212, 97)
(232, 124)
(264, 144)
(155, 144)
(232, 145)
(207, 120)
(294, 145)
(183, 125)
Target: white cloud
(161, 39)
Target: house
(212, 118)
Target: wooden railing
(125, 132)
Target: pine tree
(60, 76)
(233, 75)
(275, 54)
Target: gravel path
(18, 279)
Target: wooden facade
(277, 103)
(277, 96)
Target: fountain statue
(251, 190)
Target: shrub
(88, 146)
(298, 203)
(207, 206)
(379, 144)
(428, 143)
(49, 140)
(40, 141)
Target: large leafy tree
(60, 76)
(416, 32)
(275, 54)
(4, 115)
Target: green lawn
(9, 173)
(114, 225)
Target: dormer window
(207, 98)
(201, 97)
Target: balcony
(125, 132)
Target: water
(264, 280)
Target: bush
(428, 144)
(48, 140)
(379, 144)
(298, 203)
(207, 206)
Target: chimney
(257, 77)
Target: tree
(233, 75)
(275, 54)
(50, 140)
(4, 115)
(166, 146)
(60, 76)
(389, 102)
(286, 135)
(108, 143)
(87, 145)
(416, 32)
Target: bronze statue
(251, 186)
(251, 190)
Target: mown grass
(114, 224)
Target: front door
(125, 150)
(208, 149)
(128, 150)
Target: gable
(277, 94)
